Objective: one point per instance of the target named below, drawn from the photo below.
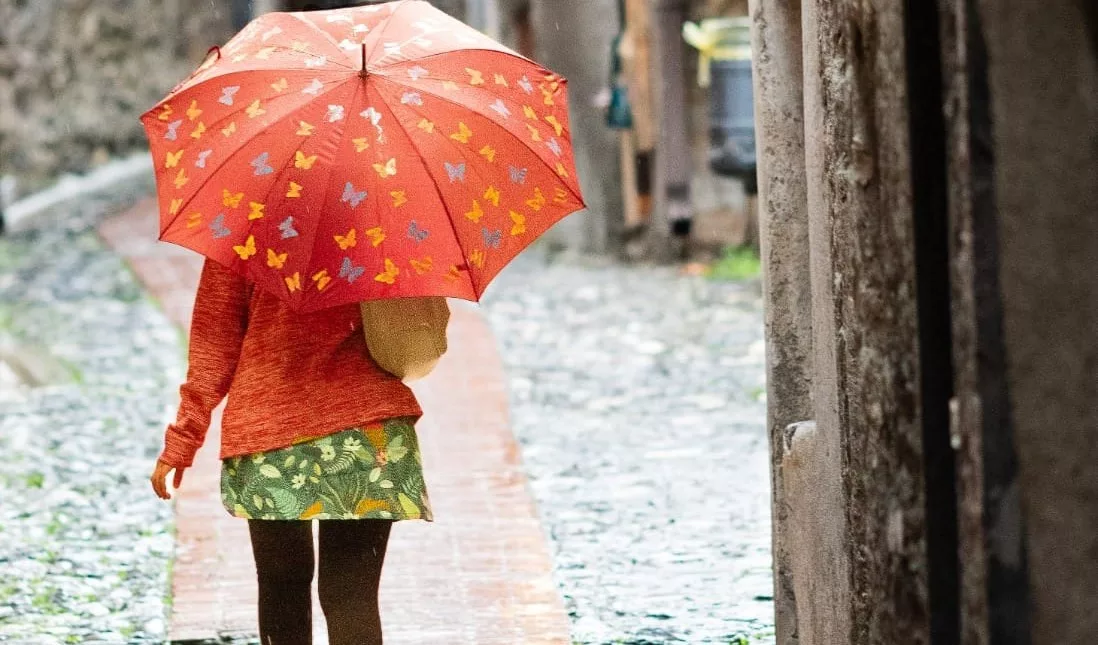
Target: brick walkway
(479, 575)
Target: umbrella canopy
(367, 153)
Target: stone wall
(76, 74)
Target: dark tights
(351, 555)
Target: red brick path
(478, 575)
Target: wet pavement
(637, 395)
(85, 548)
(638, 398)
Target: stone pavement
(85, 550)
(479, 575)
(638, 398)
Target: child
(314, 428)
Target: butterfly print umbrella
(375, 152)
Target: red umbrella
(366, 153)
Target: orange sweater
(288, 376)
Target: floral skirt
(374, 472)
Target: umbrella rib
(462, 50)
(331, 173)
(326, 35)
(233, 154)
(438, 191)
(388, 23)
(511, 134)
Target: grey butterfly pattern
(202, 157)
(416, 233)
(314, 87)
(335, 113)
(554, 145)
(501, 107)
(491, 238)
(417, 73)
(173, 130)
(228, 94)
(349, 271)
(526, 85)
(261, 166)
(287, 228)
(518, 175)
(456, 172)
(218, 228)
(411, 98)
(351, 196)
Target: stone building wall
(76, 74)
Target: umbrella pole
(363, 73)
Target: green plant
(35, 480)
(737, 263)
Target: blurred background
(74, 74)
(920, 412)
(630, 343)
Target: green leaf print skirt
(362, 473)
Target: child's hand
(159, 479)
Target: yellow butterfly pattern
(247, 249)
(475, 214)
(193, 112)
(492, 195)
(232, 200)
(518, 223)
(387, 169)
(255, 210)
(276, 260)
(389, 275)
(302, 162)
(322, 279)
(463, 134)
(293, 282)
(376, 235)
(346, 241)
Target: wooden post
(672, 216)
(783, 236)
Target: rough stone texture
(866, 388)
(783, 226)
(76, 74)
(85, 547)
(1044, 81)
(636, 395)
(573, 39)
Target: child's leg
(351, 555)
(284, 562)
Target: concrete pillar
(573, 38)
(1043, 76)
(783, 227)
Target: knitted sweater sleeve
(218, 324)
